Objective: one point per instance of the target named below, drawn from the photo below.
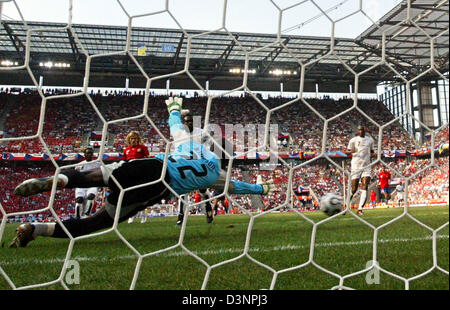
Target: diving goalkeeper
(190, 167)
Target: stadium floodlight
(50, 64)
(47, 64)
(8, 63)
(239, 70)
(279, 72)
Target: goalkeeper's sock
(79, 210)
(43, 229)
(208, 207)
(88, 207)
(362, 200)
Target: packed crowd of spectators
(442, 136)
(68, 120)
(315, 179)
(65, 122)
(429, 185)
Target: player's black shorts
(138, 172)
(217, 193)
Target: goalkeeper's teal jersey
(191, 166)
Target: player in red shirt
(384, 178)
(197, 197)
(136, 149)
(226, 205)
(373, 198)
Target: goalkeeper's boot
(359, 212)
(209, 217)
(35, 186)
(23, 237)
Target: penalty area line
(218, 252)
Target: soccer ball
(330, 204)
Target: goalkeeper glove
(267, 187)
(174, 104)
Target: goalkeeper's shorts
(130, 174)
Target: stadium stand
(63, 131)
(69, 133)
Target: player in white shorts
(361, 148)
(84, 197)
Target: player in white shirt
(361, 149)
(84, 197)
(400, 193)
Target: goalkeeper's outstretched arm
(243, 188)
(177, 129)
(179, 134)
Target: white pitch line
(337, 220)
(220, 251)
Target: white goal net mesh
(327, 121)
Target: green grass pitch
(280, 241)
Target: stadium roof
(221, 49)
(168, 43)
(408, 44)
(214, 54)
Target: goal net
(269, 242)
